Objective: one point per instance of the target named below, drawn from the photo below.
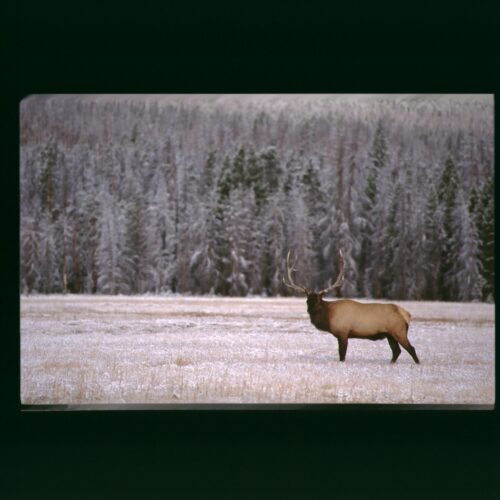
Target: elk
(347, 319)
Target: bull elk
(347, 319)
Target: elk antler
(291, 284)
(340, 277)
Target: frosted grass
(152, 349)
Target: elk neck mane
(319, 315)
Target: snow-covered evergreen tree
(300, 242)
(434, 241)
(486, 233)
(466, 268)
(30, 256)
(50, 279)
(109, 252)
(160, 236)
(273, 247)
(447, 193)
(207, 195)
(238, 234)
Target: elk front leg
(342, 348)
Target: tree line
(128, 197)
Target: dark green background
(97, 47)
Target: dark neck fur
(319, 316)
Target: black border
(70, 48)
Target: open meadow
(81, 349)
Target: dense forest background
(206, 194)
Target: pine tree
(160, 237)
(417, 264)
(315, 198)
(218, 230)
(50, 281)
(238, 218)
(88, 224)
(293, 172)
(209, 174)
(299, 239)
(434, 241)
(255, 178)
(48, 178)
(63, 237)
(366, 224)
(447, 193)
(370, 262)
(239, 168)
(486, 234)
(336, 235)
(271, 169)
(256, 240)
(133, 257)
(109, 252)
(202, 263)
(390, 243)
(473, 203)
(189, 209)
(208, 257)
(402, 245)
(274, 250)
(467, 267)
(379, 147)
(30, 255)
(350, 250)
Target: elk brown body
(347, 319)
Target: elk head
(314, 299)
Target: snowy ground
(103, 349)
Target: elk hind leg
(396, 350)
(411, 350)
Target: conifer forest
(206, 194)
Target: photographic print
(257, 249)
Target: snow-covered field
(152, 349)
